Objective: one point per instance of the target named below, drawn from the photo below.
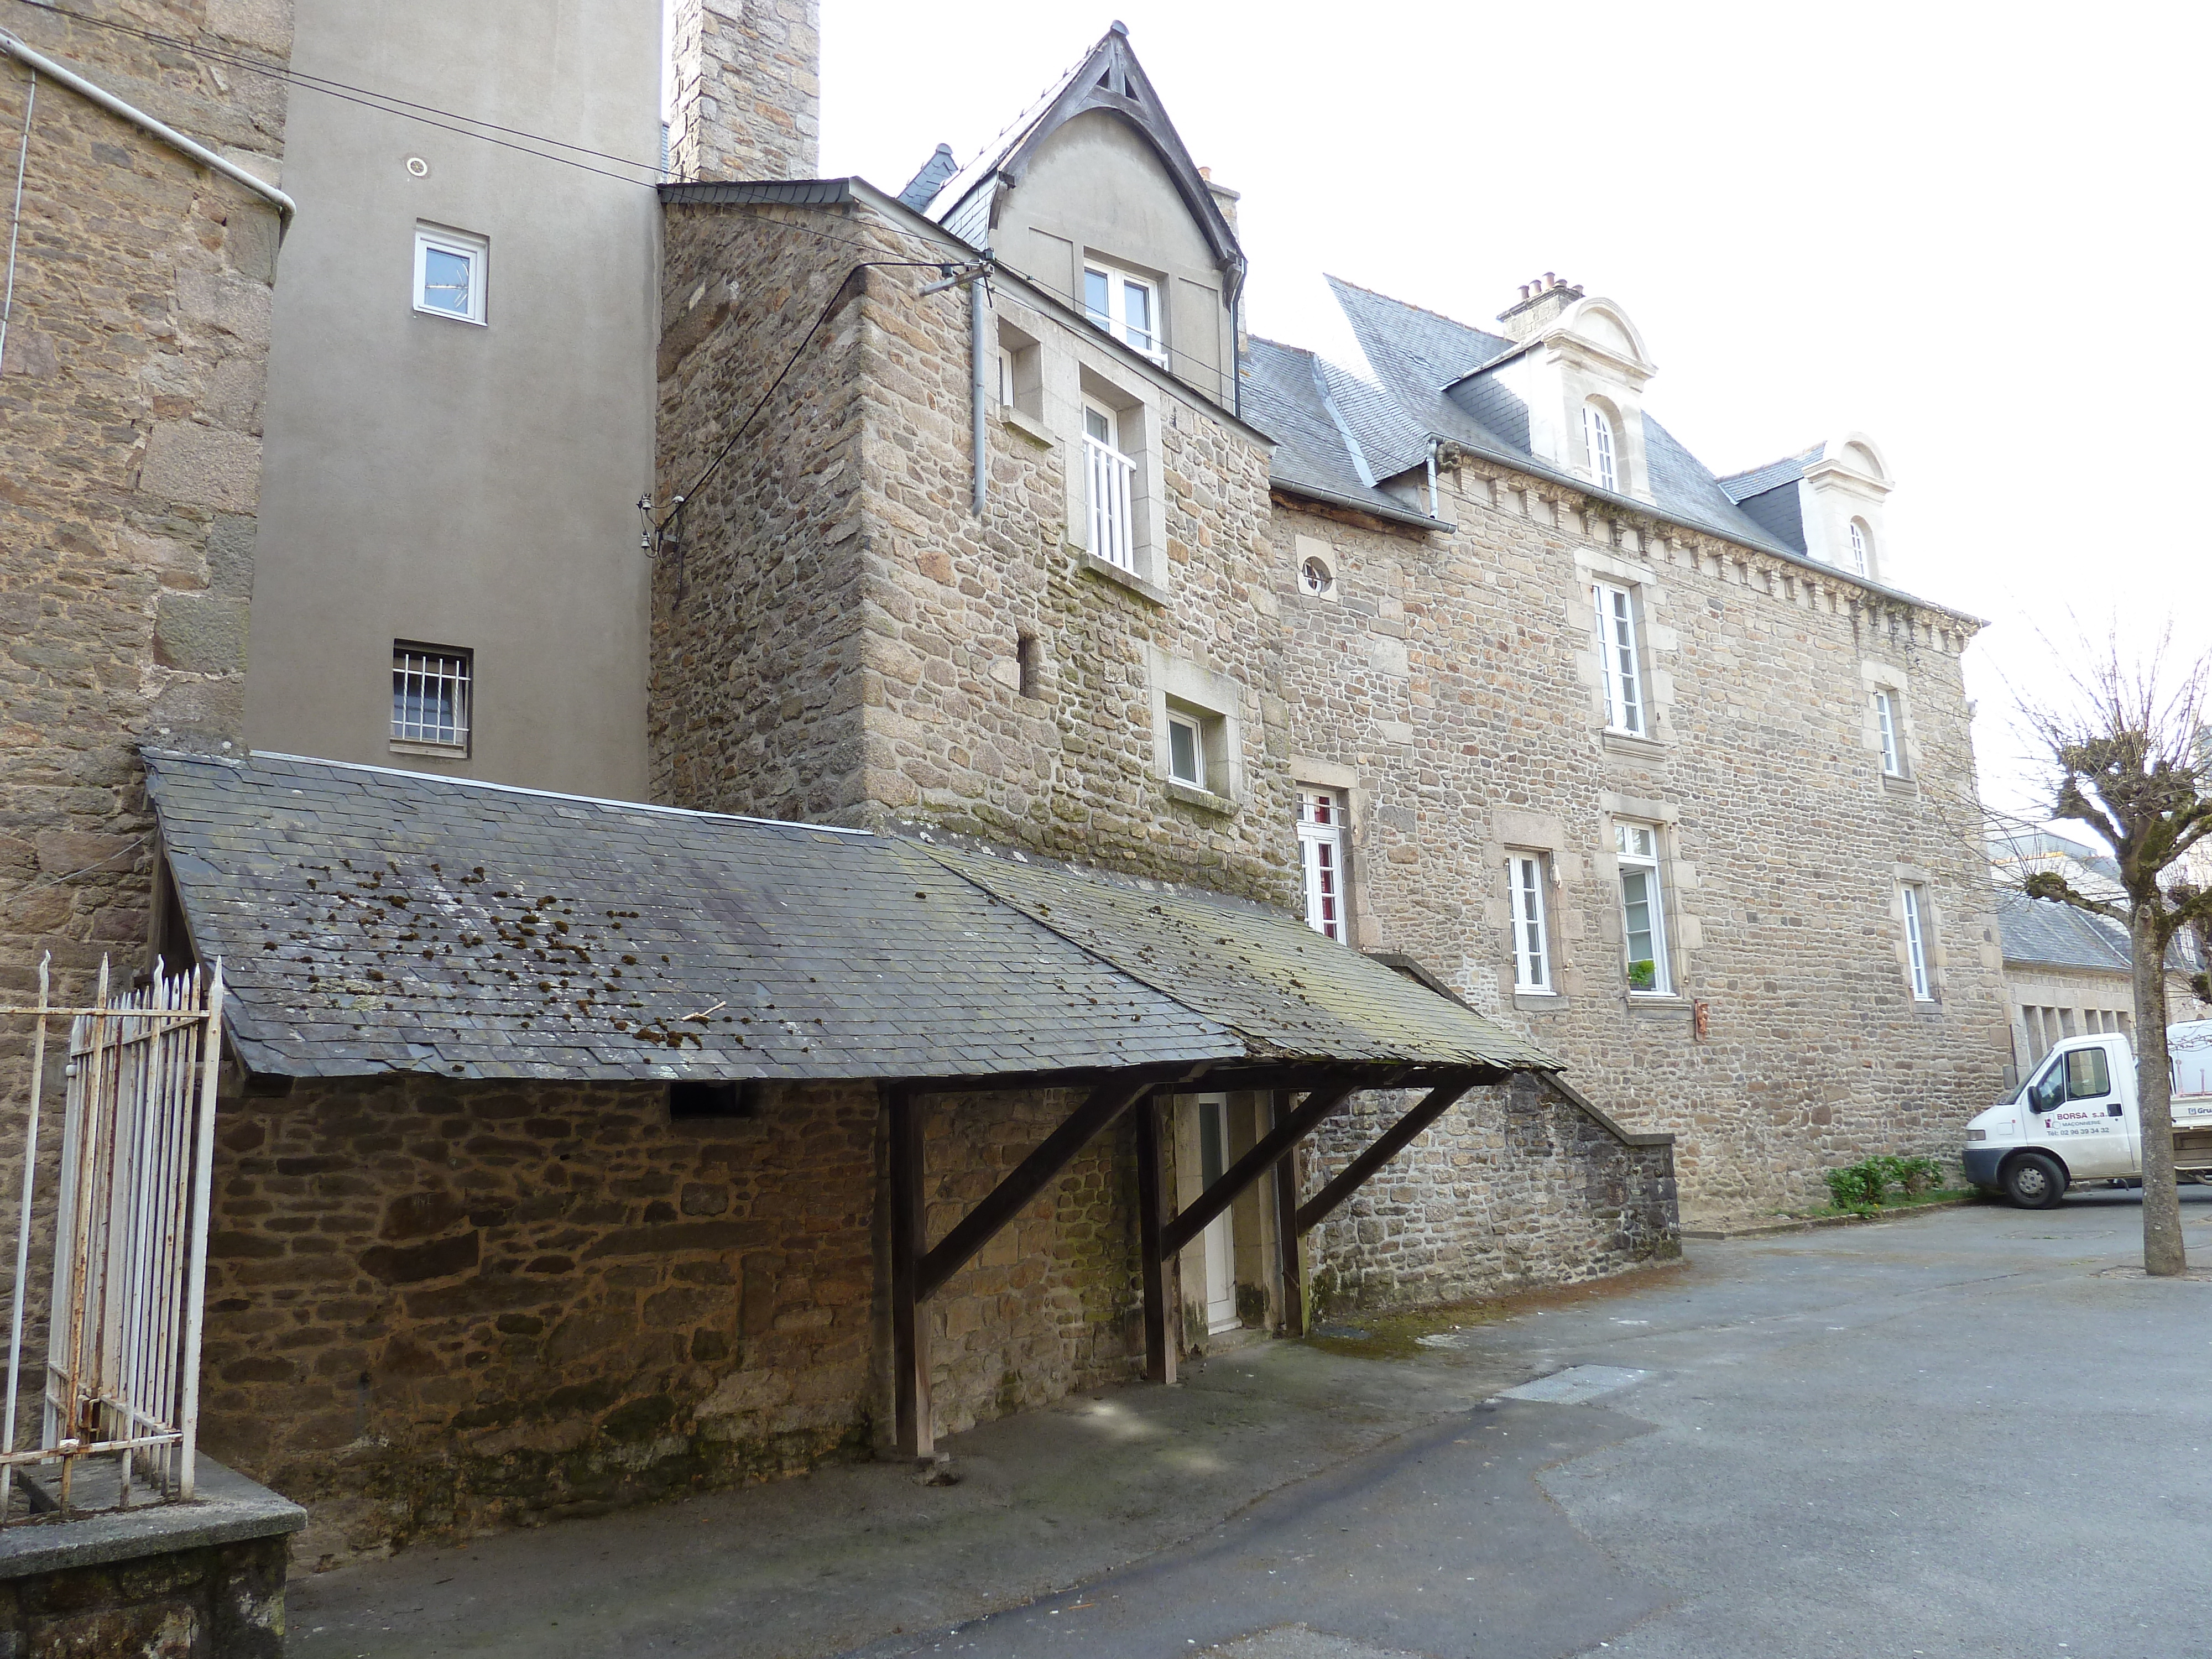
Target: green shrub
(1862, 1188)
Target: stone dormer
(1825, 503)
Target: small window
(711, 1098)
(1532, 955)
(1892, 755)
(1006, 378)
(1624, 678)
(1128, 308)
(449, 274)
(1642, 907)
(1916, 942)
(1314, 577)
(433, 688)
(1186, 750)
(1321, 852)
(1861, 541)
(1597, 437)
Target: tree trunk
(2163, 1253)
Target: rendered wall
(445, 483)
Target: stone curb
(1763, 1229)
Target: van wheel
(2034, 1180)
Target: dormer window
(1860, 541)
(1597, 438)
(1128, 308)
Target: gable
(1097, 181)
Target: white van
(2075, 1120)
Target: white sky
(1971, 230)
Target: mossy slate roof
(372, 920)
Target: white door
(1220, 1240)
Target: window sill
(1028, 425)
(1894, 785)
(1627, 743)
(1540, 1002)
(1090, 561)
(434, 751)
(1205, 800)
(1657, 1001)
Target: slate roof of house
(1334, 433)
(1758, 480)
(2045, 931)
(372, 920)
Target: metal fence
(130, 1223)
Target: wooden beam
(1387, 1146)
(1031, 1176)
(1159, 1350)
(912, 1427)
(1319, 1105)
(1291, 1268)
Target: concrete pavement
(1970, 1433)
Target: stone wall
(129, 459)
(747, 75)
(436, 1308)
(1513, 1188)
(843, 640)
(1455, 677)
(220, 1601)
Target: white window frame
(1597, 439)
(1532, 944)
(1893, 749)
(1321, 859)
(1628, 851)
(1915, 941)
(424, 668)
(1620, 661)
(474, 249)
(1109, 489)
(1194, 724)
(1859, 540)
(1115, 321)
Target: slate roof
(1758, 480)
(1326, 424)
(372, 920)
(2045, 931)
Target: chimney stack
(1540, 303)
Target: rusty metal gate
(130, 1224)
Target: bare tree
(2125, 758)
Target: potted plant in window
(1644, 976)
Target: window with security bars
(431, 691)
(1532, 957)
(1320, 853)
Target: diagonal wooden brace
(1386, 1146)
(1320, 1104)
(1025, 1180)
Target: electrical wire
(15, 217)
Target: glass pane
(1182, 752)
(1633, 839)
(2088, 1076)
(1137, 311)
(1095, 298)
(446, 281)
(1099, 426)
(1637, 898)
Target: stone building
(1603, 801)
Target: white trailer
(2076, 1119)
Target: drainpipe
(168, 135)
(979, 360)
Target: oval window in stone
(1315, 577)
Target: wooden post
(1287, 1224)
(1160, 1347)
(909, 1314)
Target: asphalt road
(1977, 1431)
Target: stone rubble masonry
(436, 1308)
(129, 458)
(840, 638)
(224, 1601)
(747, 78)
(1454, 678)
